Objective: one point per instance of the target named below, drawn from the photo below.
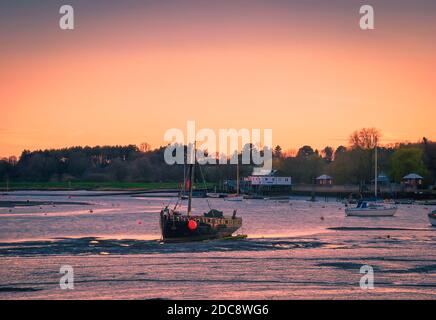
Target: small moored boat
(234, 198)
(215, 195)
(432, 218)
(371, 209)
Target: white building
(270, 181)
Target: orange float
(192, 225)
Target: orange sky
(122, 78)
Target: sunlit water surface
(294, 250)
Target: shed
(324, 180)
(412, 179)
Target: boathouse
(413, 180)
(324, 180)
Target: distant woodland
(350, 164)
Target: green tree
(352, 166)
(339, 150)
(429, 158)
(327, 152)
(406, 160)
(305, 152)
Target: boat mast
(184, 178)
(237, 177)
(191, 182)
(375, 172)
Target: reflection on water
(295, 249)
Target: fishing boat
(432, 218)
(177, 226)
(372, 208)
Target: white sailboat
(214, 194)
(236, 196)
(372, 208)
(432, 218)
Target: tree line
(355, 163)
(351, 164)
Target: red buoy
(192, 225)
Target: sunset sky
(133, 69)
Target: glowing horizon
(129, 72)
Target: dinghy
(432, 218)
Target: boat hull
(215, 195)
(359, 212)
(432, 219)
(175, 228)
(234, 198)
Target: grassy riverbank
(86, 185)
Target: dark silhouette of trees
(327, 153)
(429, 158)
(339, 150)
(278, 151)
(305, 152)
(352, 165)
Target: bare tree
(144, 147)
(366, 138)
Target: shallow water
(294, 250)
